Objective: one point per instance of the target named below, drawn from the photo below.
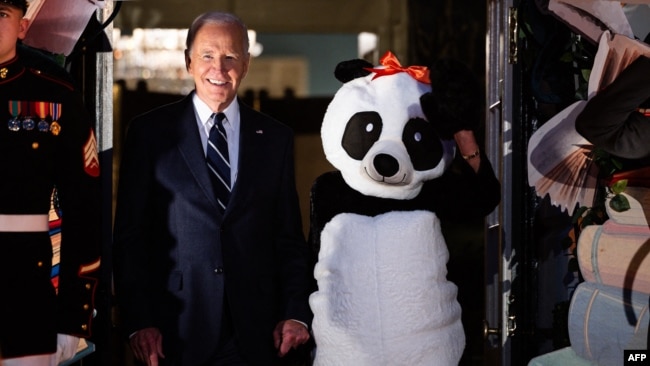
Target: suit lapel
(251, 141)
(190, 147)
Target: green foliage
(618, 187)
(582, 58)
(618, 202)
(585, 216)
(607, 163)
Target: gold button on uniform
(34, 145)
(87, 286)
(84, 327)
(40, 264)
(86, 307)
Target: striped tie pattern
(218, 160)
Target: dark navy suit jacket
(177, 257)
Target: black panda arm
(324, 202)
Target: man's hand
(147, 346)
(289, 334)
(66, 347)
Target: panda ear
(352, 69)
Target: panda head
(375, 133)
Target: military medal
(28, 123)
(55, 128)
(14, 109)
(55, 112)
(43, 126)
(14, 124)
(41, 109)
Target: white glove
(66, 347)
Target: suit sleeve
(610, 119)
(130, 233)
(79, 190)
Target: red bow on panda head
(392, 66)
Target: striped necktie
(218, 160)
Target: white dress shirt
(230, 124)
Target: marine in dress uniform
(46, 144)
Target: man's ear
(24, 23)
(247, 64)
(187, 60)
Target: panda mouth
(394, 180)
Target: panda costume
(383, 297)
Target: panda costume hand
(454, 102)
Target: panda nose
(386, 165)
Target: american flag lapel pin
(259, 132)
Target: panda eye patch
(422, 143)
(361, 132)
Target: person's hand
(66, 347)
(147, 346)
(289, 334)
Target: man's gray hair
(215, 17)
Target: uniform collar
(11, 70)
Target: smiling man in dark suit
(201, 278)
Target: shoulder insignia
(91, 158)
(52, 78)
(8, 74)
(89, 267)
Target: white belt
(24, 223)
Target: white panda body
(383, 296)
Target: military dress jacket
(47, 144)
